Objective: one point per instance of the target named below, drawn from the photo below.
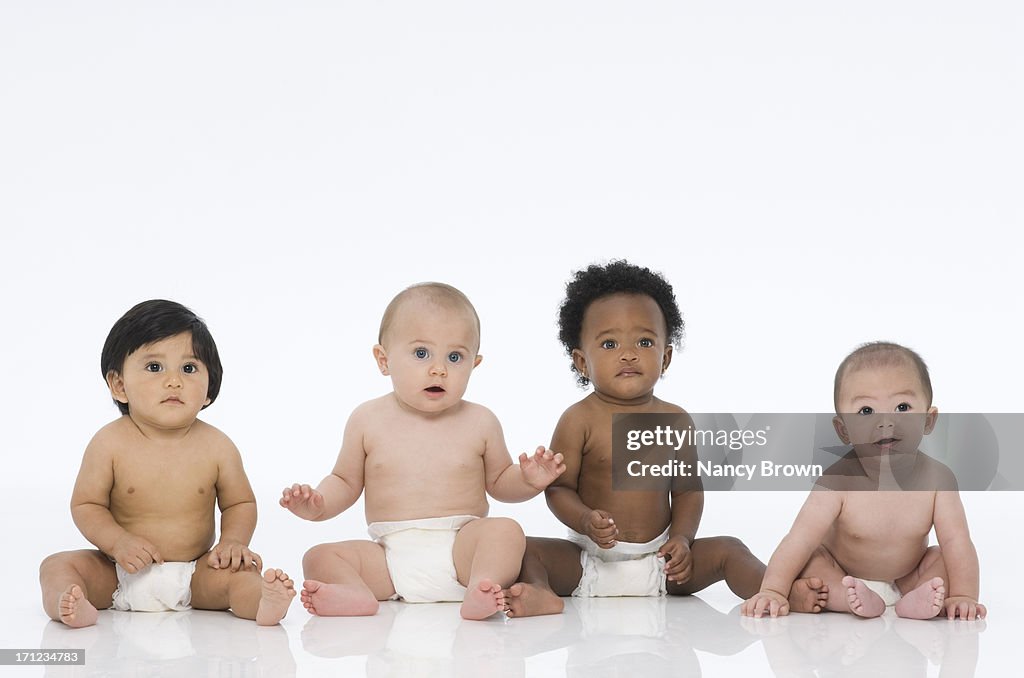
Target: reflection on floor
(595, 637)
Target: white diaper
(626, 569)
(419, 557)
(886, 590)
(157, 588)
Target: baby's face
(429, 351)
(623, 347)
(884, 409)
(163, 383)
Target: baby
(425, 457)
(619, 323)
(861, 538)
(146, 490)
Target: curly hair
(615, 277)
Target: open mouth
(434, 389)
(887, 441)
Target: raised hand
(542, 468)
(303, 501)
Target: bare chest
(163, 483)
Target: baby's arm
(342, 487)
(237, 513)
(809, 529)
(90, 509)
(563, 495)
(515, 482)
(959, 556)
(687, 508)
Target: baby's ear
(840, 427)
(666, 359)
(381, 356)
(477, 360)
(929, 419)
(115, 382)
(579, 361)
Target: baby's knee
(316, 555)
(56, 561)
(507, 529)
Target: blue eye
(421, 353)
(454, 357)
(865, 410)
(154, 367)
(608, 343)
(645, 343)
(903, 407)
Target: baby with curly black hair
(619, 323)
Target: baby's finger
(257, 562)
(773, 608)
(236, 558)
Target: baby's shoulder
(659, 406)
(477, 414)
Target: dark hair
(152, 321)
(616, 277)
(882, 354)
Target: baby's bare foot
(277, 594)
(483, 600)
(75, 609)
(924, 602)
(808, 595)
(527, 600)
(863, 601)
(337, 600)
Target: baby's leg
(75, 584)
(488, 553)
(246, 593)
(820, 585)
(924, 589)
(551, 568)
(718, 558)
(345, 579)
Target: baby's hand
(964, 608)
(599, 526)
(679, 565)
(775, 604)
(134, 553)
(233, 556)
(542, 468)
(303, 501)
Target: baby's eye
(645, 343)
(190, 368)
(903, 407)
(421, 353)
(608, 343)
(154, 367)
(454, 357)
(865, 410)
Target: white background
(808, 176)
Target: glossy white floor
(703, 635)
